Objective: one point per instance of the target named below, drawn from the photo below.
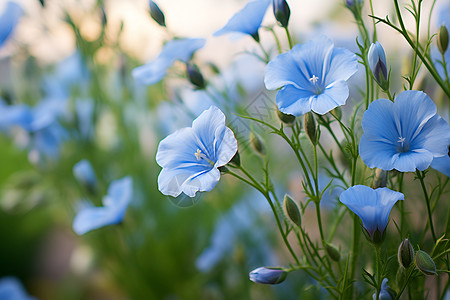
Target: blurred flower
(312, 76)
(84, 112)
(442, 164)
(180, 49)
(191, 156)
(84, 173)
(267, 275)
(404, 135)
(12, 289)
(372, 206)
(8, 20)
(386, 293)
(247, 20)
(14, 115)
(377, 64)
(115, 204)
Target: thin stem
(421, 176)
(264, 51)
(288, 37)
(378, 259)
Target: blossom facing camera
(84, 173)
(8, 20)
(115, 204)
(312, 76)
(264, 275)
(377, 64)
(247, 20)
(281, 12)
(179, 49)
(190, 157)
(405, 135)
(372, 207)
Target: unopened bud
(291, 210)
(281, 12)
(194, 76)
(405, 254)
(257, 144)
(337, 112)
(157, 14)
(377, 64)
(267, 275)
(442, 39)
(310, 127)
(425, 263)
(285, 118)
(332, 252)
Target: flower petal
(343, 65)
(91, 218)
(333, 96)
(442, 164)
(434, 136)
(409, 161)
(377, 153)
(293, 101)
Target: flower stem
(421, 176)
(288, 37)
(378, 259)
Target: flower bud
(380, 179)
(285, 118)
(281, 12)
(442, 39)
(236, 160)
(194, 76)
(257, 144)
(267, 275)
(291, 210)
(332, 252)
(310, 127)
(157, 14)
(337, 112)
(425, 263)
(405, 254)
(377, 64)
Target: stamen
(314, 79)
(198, 154)
(401, 140)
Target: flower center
(403, 147)
(314, 79)
(199, 155)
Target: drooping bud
(442, 39)
(377, 64)
(386, 293)
(195, 76)
(264, 275)
(291, 210)
(157, 14)
(405, 254)
(281, 12)
(285, 118)
(425, 263)
(310, 127)
(333, 252)
(257, 144)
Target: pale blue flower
(377, 64)
(264, 275)
(386, 292)
(372, 206)
(442, 164)
(8, 20)
(84, 173)
(179, 49)
(312, 76)
(247, 20)
(404, 135)
(190, 157)
(14, 115)
(115, 204)
(12, 289)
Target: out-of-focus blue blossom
(443, 19)
(442, 164)
(84, 173)
(115, 204)
(385, 292)
(8, 20)
(14, 115)
(12, 289)
(377, 64)
(247, 20)
(180, 49)
(404, 135)
(264, 275)
(84, 111)
(372, 206)
(312, 76)
(190, 157)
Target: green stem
(378, 259)
(288, 37)
(264, 51)
(421, 176)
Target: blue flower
(84, 173)
(312, 76)
(8, 20)
(443, 19)
(442, 164)
(267, 275)
(180, 49)
(12, 289)
(377, 64)
(115, 204)
(190, 157)
(247, 20)
(404, 135)
(386, 293)
(372, 206)
(14, 115)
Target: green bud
(425, 263)
(257, 144)
(310, 127)
(157, 14)
(405, 254)
(285, 118)
(291, 210)
(195, 76)
(337, 112)
(332, 252)
(442, 39)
